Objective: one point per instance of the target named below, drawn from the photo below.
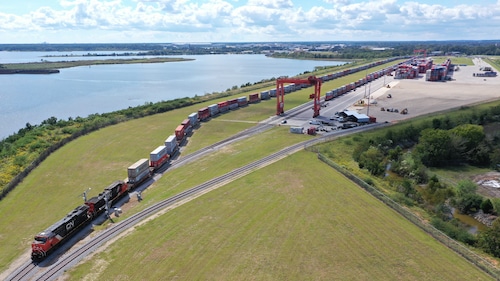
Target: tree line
(454, 140)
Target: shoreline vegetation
(48, 67)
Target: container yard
(419, 97)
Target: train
(47, 241)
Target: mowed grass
(297, 219)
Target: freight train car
(158, 157)
(194, 119)
(213, 109)
(242, 101)
(223, 106)
(264, 95)
(138, 172)
(186, 123)
(233, 104)
(329, 95)
(171, 145)
(203, 114)
(180, 133)
(253, 98)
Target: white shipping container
(138, 168)
(171, 144)
(158, 153)
(297, 130)
(193, 118)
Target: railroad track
(259, 128)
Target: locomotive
(51, 238)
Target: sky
(182, 21)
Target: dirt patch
(488, 184)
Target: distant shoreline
(29, 71)
(47, 67)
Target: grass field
(53, 189)
(454, 60)
(302, 221)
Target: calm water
(81, 91)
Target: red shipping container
(180, 133)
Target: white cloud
(256, 20)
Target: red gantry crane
(420, 51)
(280, 92)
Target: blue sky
(121, 21)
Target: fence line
(460, 249)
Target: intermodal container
(138, 171)
(194, 119)
(233, 104)
(171, 144)
(214, 109)
(252, 98)
(158, 157)
(329, 95)
(264, 95)
(203, 113)
(297, 130)
(242, 101)
(180, 132)
(223, 106)
(186, 123)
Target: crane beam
(280, 92)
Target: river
(81, 91)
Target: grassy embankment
(77, 166)
(43, 65)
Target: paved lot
(422, 97)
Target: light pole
(84, 194)
(369, 93)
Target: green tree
(469, 139)
(436, 192)
(467, 200)
(434, 147)
(465, 187)
(487, 206)
(468, 203)
(373, 160)
(489, 240)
